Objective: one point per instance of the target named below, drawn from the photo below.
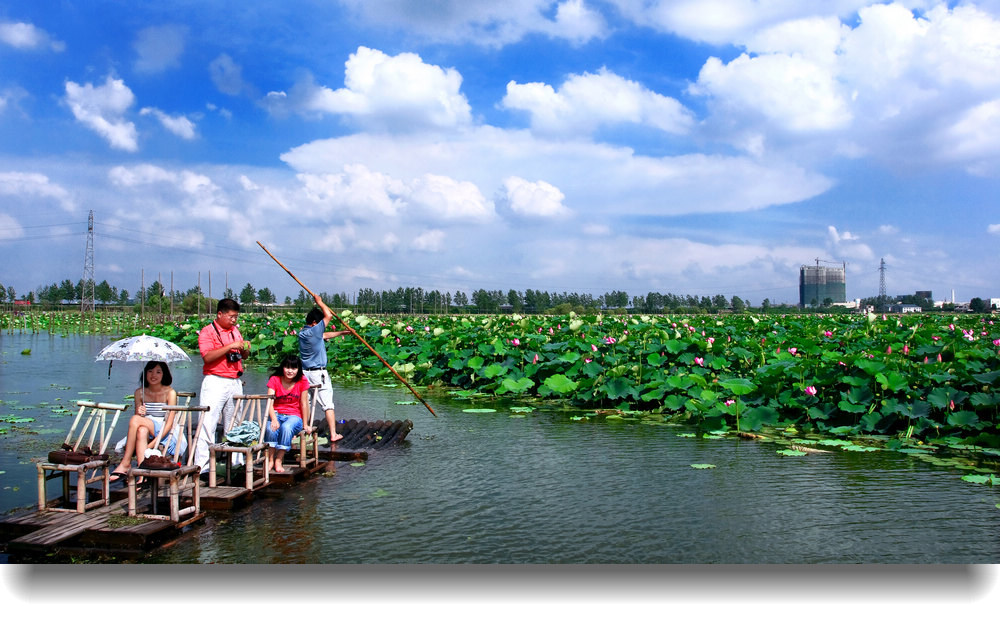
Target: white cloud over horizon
(540, 143)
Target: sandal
(117, 475)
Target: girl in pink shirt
(287, 411)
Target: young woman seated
(287, 411)
(149, 419)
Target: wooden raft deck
(58, 536)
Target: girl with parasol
(150, 420)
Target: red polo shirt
(213, 336)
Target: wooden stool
(184, 478)
(95, 419)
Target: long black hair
(289, 361)
(167, 377)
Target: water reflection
(490, 488)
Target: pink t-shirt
(212, 337)
(286, 402)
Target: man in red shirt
(222, 350)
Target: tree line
(417, 300)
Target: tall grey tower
(87, 285)
(881, 286)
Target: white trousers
(216, 394)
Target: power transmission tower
(881, 286)
(87, 286)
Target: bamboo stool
(184, 478)
(309, 439)
(95, 415)
(248, 408)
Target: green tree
(977, 304)
(248, 295)
(265, 296)
(104, 292)
(738, 304)
(67, 292)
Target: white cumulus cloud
(484, 23)
(102, 108)
(398, 92)
(24, 36)
(35, 185)
(180, 126)
(533, 199)
(585, 102)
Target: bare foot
(336, 437)
(278, 469)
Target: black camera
(233, 356)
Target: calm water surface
(543, 488)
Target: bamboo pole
(354, 333)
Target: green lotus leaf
(479, 410)
(560, 384)
(702, 466)
(738, 386)
(791, 452)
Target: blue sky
(693, 147)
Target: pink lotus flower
(951, 405)
(609, 340)
(587, 360)
(888, 350)
(711, 340)
(828, 333)
(906, 349)
(730, 402)
(811, 390)
(939, 357)
(700, 361)
(409, 329)
(996, 342)
(535, 361)
(792, 350)
(515, 342)
(593, 348)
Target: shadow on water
(488, 488)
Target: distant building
(923, 295)
(818, 284)
(905, 308)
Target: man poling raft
(354, 333)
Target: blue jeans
(281, 439)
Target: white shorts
(324, 395)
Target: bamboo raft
(105, 532)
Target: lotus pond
(528, 480)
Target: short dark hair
(226, 305)
(167, 377)
(289, 361)
(315, 316)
